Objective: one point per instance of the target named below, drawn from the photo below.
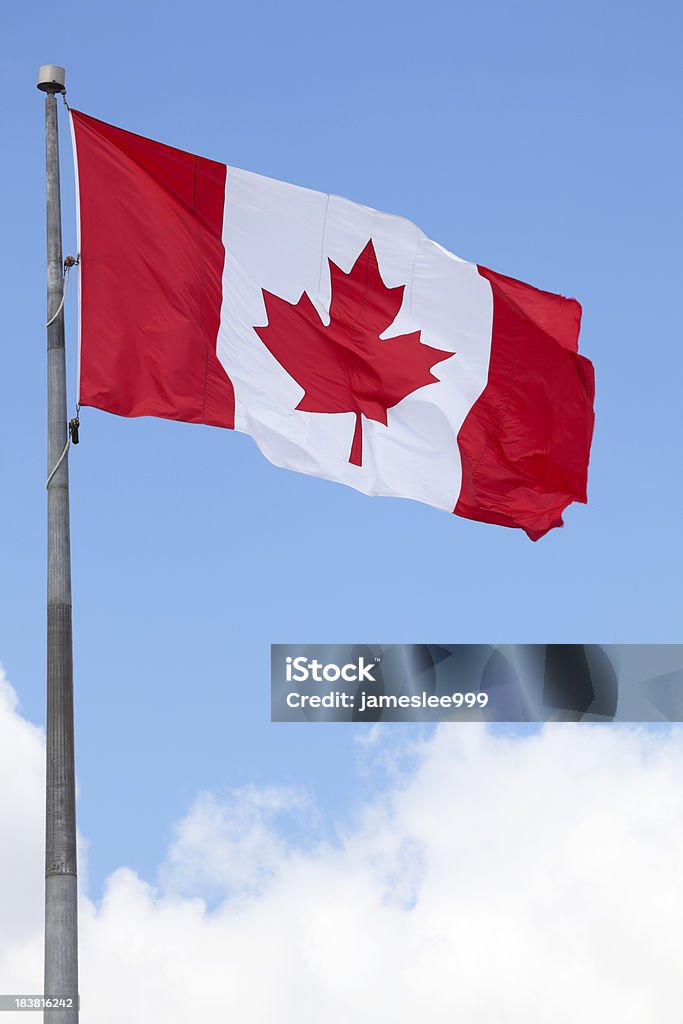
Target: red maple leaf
(346, 366)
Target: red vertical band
(526, 441)
(152, 255)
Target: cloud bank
(496, 879)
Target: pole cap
(51, 78)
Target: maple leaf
(346, 366)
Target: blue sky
(536, 138)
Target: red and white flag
(345, 342)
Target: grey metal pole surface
(61, 921)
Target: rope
(60, 307)
(60, 460)
(69, 262)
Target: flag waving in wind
(346, 343)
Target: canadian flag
(345, 342)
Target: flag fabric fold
(345, 342)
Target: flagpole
(61, 923)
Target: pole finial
(51, 78)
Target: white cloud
(233, 846)
(22, 781)
(498, 880)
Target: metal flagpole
(61, 923)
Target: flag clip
(74, 424)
